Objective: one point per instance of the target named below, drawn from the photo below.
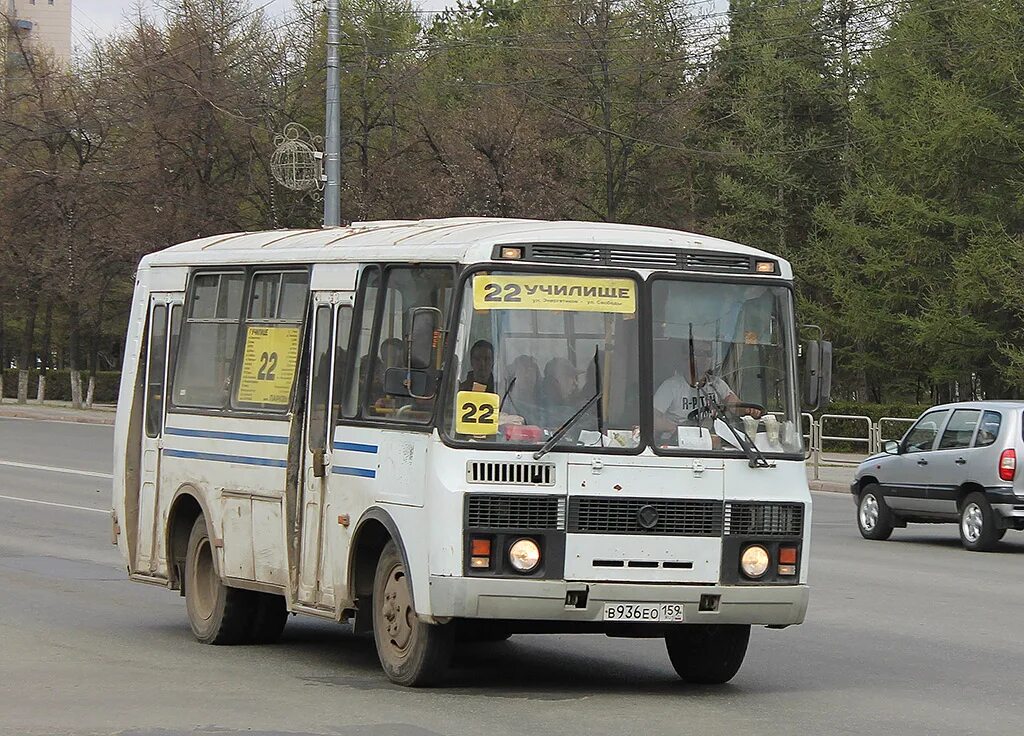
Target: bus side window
(342, 362)
(268, 362)
(368, 290)
(202, 377)
(406, 288)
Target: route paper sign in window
(563, 292)
(268, 365)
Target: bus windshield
(722, 365)
(536, 350)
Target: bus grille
(764, 519)
(669, 517)
(485, 511)
(516, 474)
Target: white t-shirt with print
(677, 398)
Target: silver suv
(958, 463)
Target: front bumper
(545, 600)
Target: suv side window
(988, 432)
(921, 436)
(960, 430)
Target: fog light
(524, 555)
(754, 561)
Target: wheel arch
(865, 482)
(186, 506)
(965, 490)
(374, 530)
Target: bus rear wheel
(708, 654)
(218, 614)
(411, 652)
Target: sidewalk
(60, 411)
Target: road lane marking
(53, 469)
(51, 503)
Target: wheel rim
(972, 523)
(868, 512)
(398, 619)
(204, 588)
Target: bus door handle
(960, 461)
(922, 462)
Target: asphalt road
(911, 636)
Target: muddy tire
(218, 614)
(269, 619)
(411, 652)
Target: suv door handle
(922, 462)
(960, 461)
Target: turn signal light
(1008, 465)
(787, 555)
(480, 551)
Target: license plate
(644, 612)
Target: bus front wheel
(411, 652)
(708, 654)
(218, 614)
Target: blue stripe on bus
(218, 458)
(355, 447)
(359, 472)
(240, 436)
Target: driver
(684, 398)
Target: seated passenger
(561, 391)
(481, 377)
(522, 401)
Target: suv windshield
(534, 349)
(722, 356)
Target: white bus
(465, 429)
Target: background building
(44, 23)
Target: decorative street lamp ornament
(297, 163)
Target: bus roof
(461, 239)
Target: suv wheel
(874, 519)
(978, 530)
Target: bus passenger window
(203, 370)
(369, 289)
(273, 332)
(342, 336)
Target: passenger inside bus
(481, 376)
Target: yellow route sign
(268, 365)
(476, 412)
(565, 292)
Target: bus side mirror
(818, 369)
(423, 337)
(410, 382)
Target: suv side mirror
(891, 447)
(818, 369)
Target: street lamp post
(332, 136)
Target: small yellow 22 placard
(476, 412)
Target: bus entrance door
(323, 540)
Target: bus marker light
(787, 569)
(765, 267)
(509, 252)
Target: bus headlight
(524, 554)
(754, 561)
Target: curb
(828, 486)
(48, 414)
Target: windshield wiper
(567, 424)
(755, 458)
